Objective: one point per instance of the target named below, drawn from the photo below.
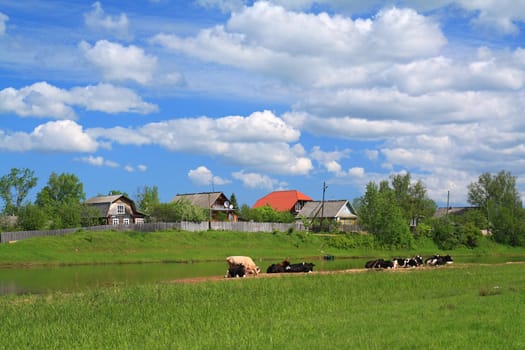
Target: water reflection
(76, 278)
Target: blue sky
(248, 97)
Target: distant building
(215, 202)
(444, 211)
(291, 201)
(340, 212)
(114, 210)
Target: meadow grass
(172, 246)
(463, 307)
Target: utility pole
(448, 199)
(322, 204)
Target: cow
(408, 262)
(301, 267)
(437, 260)
(379, 264)
(236, 271)
(279, 268)
(246, 261)
(400, 262)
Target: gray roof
(104, 199)
(330, 209)
(102, 203)
(440, 212)
(203, 199)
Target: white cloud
(54, 136)
(99, 21)
(120, 63)
(259, 141)
(110, 99)
(267, 39)
(98, 161)
(44, 100)
(330, 160)
(255, 180)
(203, 176)
(3, 20)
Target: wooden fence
(6, 237)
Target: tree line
(396, 211)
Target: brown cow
(245, 261)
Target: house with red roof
(290, 200)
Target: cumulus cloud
(330, 160)
(119, 62)
(203, 176)
(98, 20)
(268, 39)
(54, 136)
(98, 161)
(259, 141)
(256, 180)
(44, 100)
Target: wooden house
(340, 212)
(217, 203)
(114, 210)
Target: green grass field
(170, 246)
(453, 307)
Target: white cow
(245, 261)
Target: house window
(115, 221)
(139, 220)
(125, 221)
(121, 209)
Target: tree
(61, 199)
(181, 210)
(147, 199)
(500, 201)
(31, 217)
(14, 188)
(412, 198)
(233, 201)
(380, 214)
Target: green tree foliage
(500, 201)
(382, 217)
(147, 199)
(181, 210)
(412, 198)
(14, 188)
(449, 235)
(61, 199)
(31, 217)
(265, 214)
(233, 201)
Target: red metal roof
(282, 200)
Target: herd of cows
(434, 260)
(241, 266)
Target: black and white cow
(437, 260)
(301, 267)
(379, 264)
(408, 262)
(236, 271)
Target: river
(38, 280)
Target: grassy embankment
(131, 247)
(453, 307)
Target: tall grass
(418, 309)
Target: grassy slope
(468, 307)
(120, 247)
